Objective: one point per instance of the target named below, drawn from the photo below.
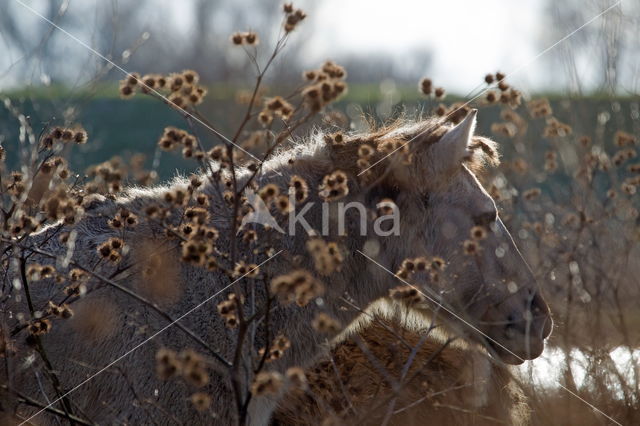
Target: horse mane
(327, 151)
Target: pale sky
(469, 38)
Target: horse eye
(485, 219)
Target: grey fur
(454, 197)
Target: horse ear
(453, 148)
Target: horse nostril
(520, 321)
(536, 304)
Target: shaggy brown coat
(446, 382)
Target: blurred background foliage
(53, 79)
(119, 127)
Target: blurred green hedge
(126, 127)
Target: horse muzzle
(521, 335)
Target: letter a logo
(260, 214)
